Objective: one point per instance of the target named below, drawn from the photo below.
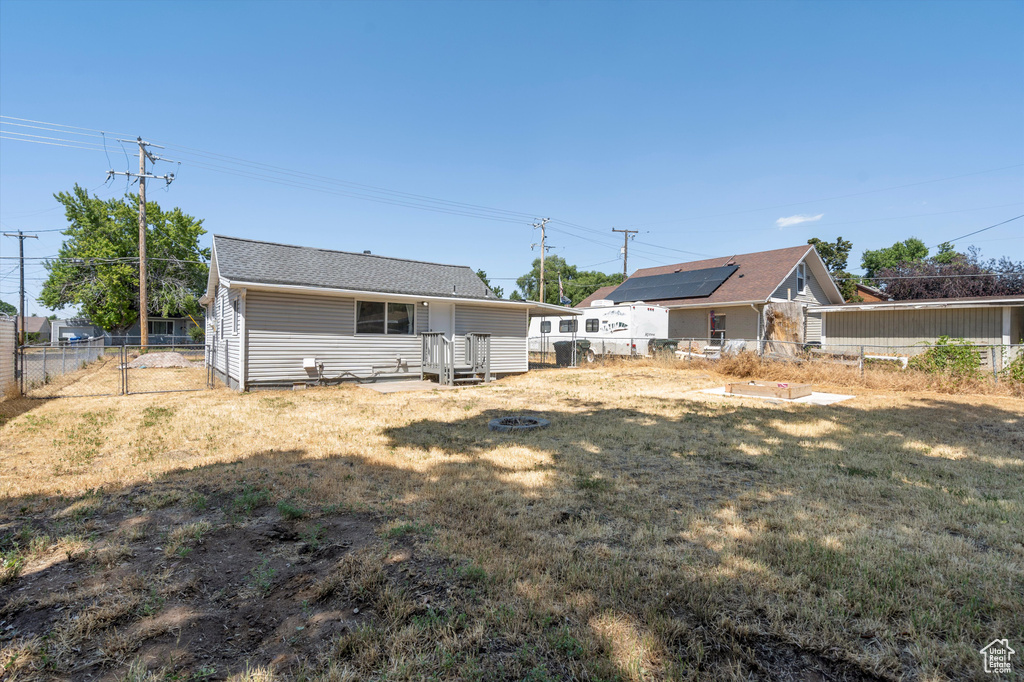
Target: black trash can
(656, 346)
(564, 353)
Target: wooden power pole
(625, 248)
(543, 249)
(144, 154)
(143, 298)
(21, 289)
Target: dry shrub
(881, 376)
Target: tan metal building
(985, 320)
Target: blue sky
(700, 124)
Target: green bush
(197, 334)
(1015, 370)
(957, 357)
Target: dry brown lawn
(649, 533)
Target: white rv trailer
(623, 329)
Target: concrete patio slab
(406, 385)
(812, 399)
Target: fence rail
(40, 364)
(992, 359)
(91, 368)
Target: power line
(61, 125)
(986, 228)
(832, 198)
(4, 136)
(979, 274)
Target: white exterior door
(442, 318)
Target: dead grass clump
(877, 375)
(357, 575)
(182, 539)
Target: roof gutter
(913, 305)
(719, 304)
(494, 302)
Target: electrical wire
(979, 274)
(241, 167)
(986, 228)
(4, 136)
(832, 198)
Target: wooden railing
(438, 357)
(478, 354)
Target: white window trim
(355, 317)
(150, 323)
(235, 315)
(801, 278)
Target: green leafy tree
(947, 254)
(836, 254)
(498, 291)
(7, 309)
(908, 251)
(578, 284)
(97, 266)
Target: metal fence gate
(89, 368)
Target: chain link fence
(54, 371)
(993, 360)
(89, 368)
(165, 368)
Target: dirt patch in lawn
(129, 585)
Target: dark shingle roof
(247, 260)
(758, 275)
(598, 295)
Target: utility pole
(21, 293)
(144, 154)
(625, 248)
(543, 249)
(21, 290)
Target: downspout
(760, 326)
(243, 344)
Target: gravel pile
(159, 360)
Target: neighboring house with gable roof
(744, 296)
(37, 329)
(281, 315)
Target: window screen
(545, 327)
(370, 317)
(569, 326)
(400, 318)
(161, 327)
(593, 324)
(718, 323)
(801, 277)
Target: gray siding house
(280, 315)
(744, 296)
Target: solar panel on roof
(692, 284)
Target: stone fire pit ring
(518, 422)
